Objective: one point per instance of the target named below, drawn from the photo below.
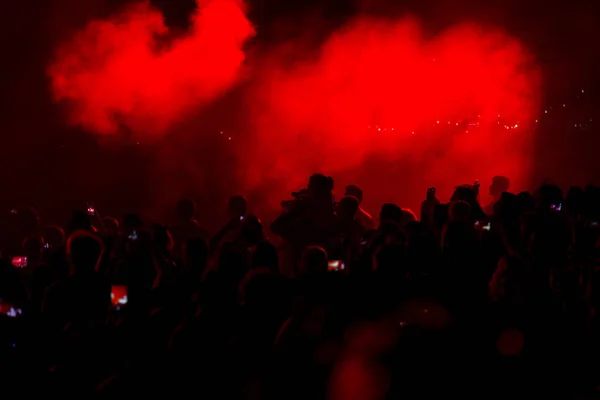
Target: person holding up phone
(84, 294)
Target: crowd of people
(490, 301)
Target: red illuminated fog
(384, 91)
(124, 71)
(380, 104)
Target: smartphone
(133, 236)
(91, 210)
(19, 262)
(431, 193)
(118, 296)
(556, 207)
(9, 310)
(336, 265)
(481, 226)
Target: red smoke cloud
(125, 71)
(382, 90)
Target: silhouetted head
(408, 217)
(320, 184)
(83, 250)
(525, 202)
(252, 230)
(347, 208)
(548, 195)
(196, 255)
(354, 191)
(80, 220)
(186, 209)
(390, 213)
(237, 207)
(500, 184)
(111, 226)
(314, 260)
(132, 222)
(266, 256)
(54, 236)
(460, 211)
(507, 207)
(464, 193)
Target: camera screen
(118, 296)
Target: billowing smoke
(128, 71)
(447, 109)
(380, 103)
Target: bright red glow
(125, 71)
(383, 91)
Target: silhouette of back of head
(83, 250)
(390, 213)
(265, 255)
(237, 206)
(460, 211)
(314, 260)
(252, 230)
(80, 220)
(354, 191)
(500, 184)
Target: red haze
(125, 71)
(315, 115)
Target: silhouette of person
(500, 184)
(363, 217)
(237, 207)
(186, 226)
(83, 295)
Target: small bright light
(516, 125)
(392, 128)
(379, 129)
(582, 91)
(438, 122)
(536, 121)
(564, 105)
(229, 138)
(457, 124)
(545, 111)
(221, 132)
(413, 133)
